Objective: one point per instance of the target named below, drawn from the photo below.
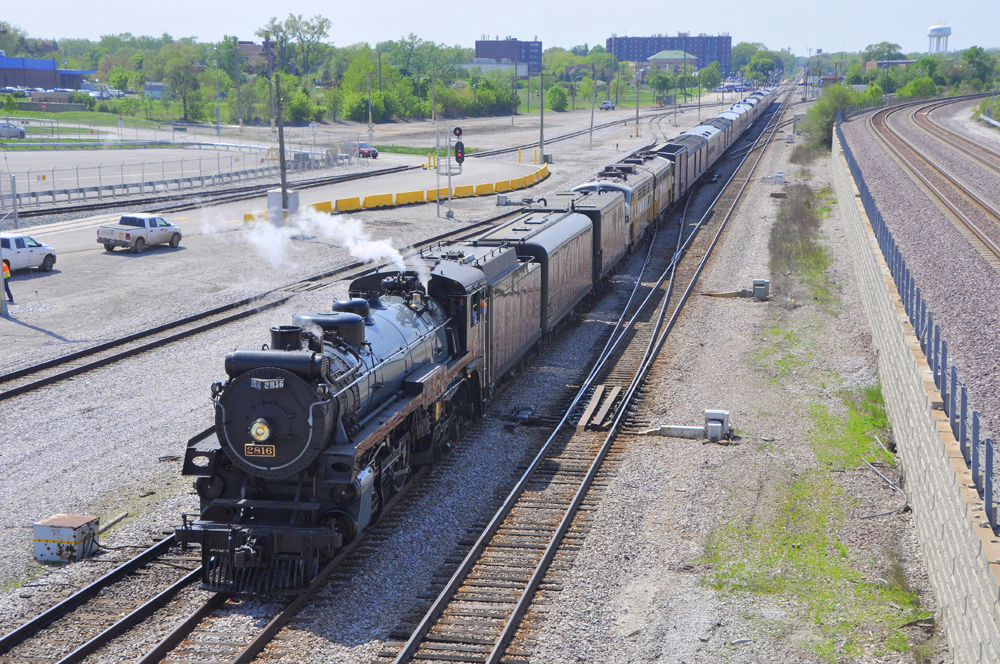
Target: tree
(762, 64)
(981, 64)
(557, 98)
(883, 51)
(919, 88)
(582, 50)
(308, 33)
(709, 77)
(661, 81)
(118, 78)
(179, 72)
(818, 123)
(9, 104)
(743, 52)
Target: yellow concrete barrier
(529, 179)
(464, 191)
(322, 206)
(407, 197)
(248, 217)
(516, 183)
(345, 204)
(483, 189)
(432, 194)
(377, 200)
(543, 172)
(502, 186)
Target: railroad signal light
(459, 152)
(457, 131)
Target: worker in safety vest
(6, 276)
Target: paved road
(81, 235)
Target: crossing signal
(460, 152)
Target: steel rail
(947, 202)
(209, 197)
(951, 138)
(52, 614)
(411, 646)
(651, 353)
(55, 362)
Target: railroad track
(975, 217)
(74, 364)
(478, 612)
(191, 200)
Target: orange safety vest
(6, 271)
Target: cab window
(162, 222)
(5, 244)
(31, 243)
(478, 308)
(19, 243)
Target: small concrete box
(761, 289)
(66, 538)
(274, 214)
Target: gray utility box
(761, 289)
(274, 212)
(66, 538)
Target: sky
(800, 25)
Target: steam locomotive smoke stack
(286, 337)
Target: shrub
(557, 98)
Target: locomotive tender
(318, 430)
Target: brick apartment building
(512, 50)
(706, 48)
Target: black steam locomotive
(315, 433)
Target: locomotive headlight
(260, 430)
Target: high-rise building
(511, 50)
(707, 48)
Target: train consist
(317, 431)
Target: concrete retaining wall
(959, 549)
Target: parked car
(138, 231)
(10, 130)
(361, 150)
(21, 251)
(607, 106)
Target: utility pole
(270, 75)
(541, 124)
(369, 97)
(380, 72)
(637, 99)
(281, 149)
(239, 95)
(593, 104)
(218, 117)
(514, 95)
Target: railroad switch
(716, 428)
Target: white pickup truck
(138, 231)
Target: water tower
(937, 38)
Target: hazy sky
(796, 24)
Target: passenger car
(138, 231)
(21, 251)
(10, 130)
(361, 150)
(607, 106)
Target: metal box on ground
(761, 289)
(274, 213)
(66, 538)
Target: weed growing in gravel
(794, 248)
(845, 441)
(803, 155)
(795, 551)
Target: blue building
(39, 73)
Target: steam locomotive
(318, 430)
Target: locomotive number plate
(258, 450)
(264, 384)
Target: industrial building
(511, 50)
(706, 48)
(39, 73)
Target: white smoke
(275, 243)
(420, 267)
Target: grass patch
(794, 248)
(406, 149)
(845, 442)
(86, 118)
(804, 155)
(794, 551)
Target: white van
(21, 251)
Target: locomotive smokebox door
(66, 538)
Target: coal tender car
(319, 429)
